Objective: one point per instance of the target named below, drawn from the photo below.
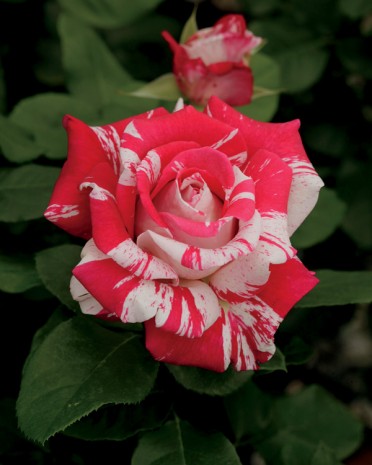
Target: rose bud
(215, 61)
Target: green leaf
(266, 71)
(127, 105)
(293, 429)
(56, 318)
(41, 115)
(249, 410)
(339, 288)
(277, 362)
(177, 442)
(301, 451)
(261, 109)
(266, 74)
(108, 13)
(92, 72)
(25, 191)
(302, 66)
(208, 382)
(323, 421)
(355, 9)
(190, 27)
(17, 144)
(296, 351)
(164, 87)
(119, 422)
(301, 58)
(358, 222)
(356, 189)
(55, 266)
(17, 274)
(324, 456)
(77, 368)
(322, 222)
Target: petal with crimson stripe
(187, 124)
(240, 279)
(192, 262)
(253, 325)
(289, 282)
(86, 148)
(284, 140)
(111, 236)
(186, 310)
(211, 351)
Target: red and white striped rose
(188, 217)
(215, 61)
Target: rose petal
(214, 165)
(288, 283)
(192, 262)
(240, 279)
(187, 124)
(284, 140)
(243, 334)
(88, 304)
(241, 202)
(111, 236)
(253, 325)
(148, 175)
(186, 310)
(211, 351)
(206, 235)
(233, 83)
(87, 146)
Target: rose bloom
(188, 217)
(214, 61)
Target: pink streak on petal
(288, 283)
(240, 279)
(148, 173)
(253, 326)
(112, 238)
(185, 310)
(187, 124)
(195, 263)
(210, 351)
(284, 140)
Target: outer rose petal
(233, 83)
(240, 279)
(211, 351)
(112, 239)
(227, 41)
(69, 207)
(186, 310)
(284, 140)
(188, 124)
(244, 332)
(255, 321)
(288, 283)
(88, 304)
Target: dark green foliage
(89, 391)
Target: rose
(188, 217)
(214, 61)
